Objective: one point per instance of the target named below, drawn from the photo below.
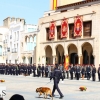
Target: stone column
(54, 59)
(80, 59)
(26, 60)
(44, 60)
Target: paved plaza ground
(26, 86)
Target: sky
(30, 10)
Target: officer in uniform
(77, 72)
(83, 72)
(46, 71)
(88, 70)
(71, 71)
(34, 70)
(56, 75)
(42, 69)
(93, 73)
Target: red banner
(64, 28)
(78, 23)
(66, 65)
(52, 30)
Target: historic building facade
(28, 44)
(3, 52)
(71, 30)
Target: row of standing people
(86, 71)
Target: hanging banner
(66, 65)
(52, 30)
(78, 23)
(54, 5)
(64, 28)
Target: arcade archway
(60, 54)
(73, 54)
(87, 52)
(48, 52)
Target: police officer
(77, 72)
(83, 72)
(88, 70)
(71, 71)
(34, 70)
(56, 75)
(93, 73)
(46, 71)
(42, 69)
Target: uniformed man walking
(56, 75)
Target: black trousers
(93, 76)
(77, 76)
(99, 76)
(71, 74)
(55, 87)
(88, 76)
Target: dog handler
(56, 75)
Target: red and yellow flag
(66, 62)
(54, 4)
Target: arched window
(0, 50)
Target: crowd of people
(73, 71)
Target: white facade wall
(14, 39)
(3, 32)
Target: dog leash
(48, 83)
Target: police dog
(45, 91)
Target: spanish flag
(66, 62)
(54, 4)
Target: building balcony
(14, 50)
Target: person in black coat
(71, 71)
(39, 70)
(34, 70)
(88, 71)
(46, 71)
(42, 69)
(83, 72)
(93, 73)
(56, 75)
(77, 71)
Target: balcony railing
(14, 50)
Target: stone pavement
(26, 86)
